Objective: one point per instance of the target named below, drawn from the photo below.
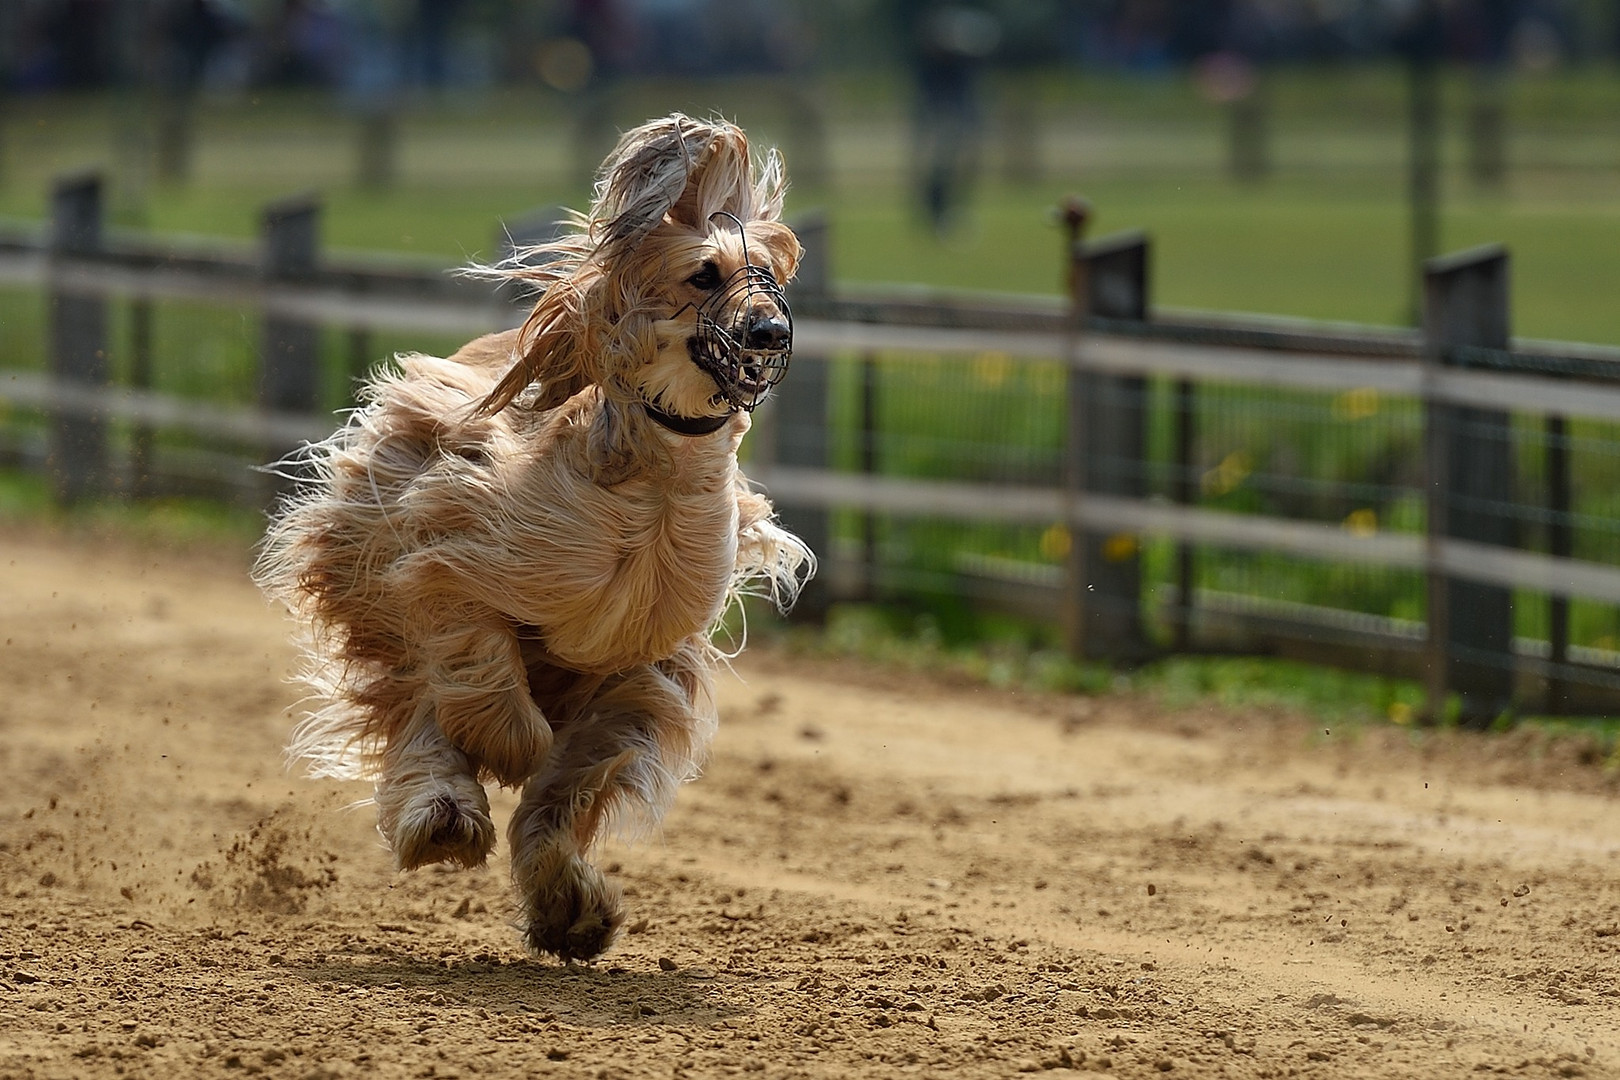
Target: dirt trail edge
(876, 877)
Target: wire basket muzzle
(744, 337)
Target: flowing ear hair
(675, 168)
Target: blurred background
(1293, 158)
(1264, 143)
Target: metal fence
(1145, 482)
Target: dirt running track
(877, 877)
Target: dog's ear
(719, 180)
(685, 169)
(781, 246)
(645, 176)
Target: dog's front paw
(574, 915)
(439, 824)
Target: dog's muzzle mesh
(744, 337)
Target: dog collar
(691, 426)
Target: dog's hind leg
(430, 806)
(629, 748)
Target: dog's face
(669, 292)
(721, 329)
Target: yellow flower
(1232, 471)
(992, 368)
(1357, 404)
(1055, 543)
(1119, 547)
(1361, 522)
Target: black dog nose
(768, 332)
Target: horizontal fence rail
(1124, 494)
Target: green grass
(170, 523)
(1325, 237)
(1011, 655)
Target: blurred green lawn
(1324, 237)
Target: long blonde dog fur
(509, 572)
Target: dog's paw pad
(449, 827)
(586, 938)
(445, 830)
(578, 919)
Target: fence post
(78, 343)
(1108, 444)
(289, 366)
(870, 435)
(1560, 543)
(1470, 489)
(1184, 492)
(142, 438)
(799, 416)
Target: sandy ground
(877, 876)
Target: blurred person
(673, 35)
(305, 45)
(428, 40)
(948, 45)
(752, 36)
(607, 31)
(67, 46)
(192, 34)
(195, 32)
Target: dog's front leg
(570, 909)
(480, 691)
(430, 806)
(634, 743)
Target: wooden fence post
(1561, 543)
(289, 365)
(142, 439)
(78, 343)
(870, 434)
(1184, 492)
(799, 417)
(1470, 490)
(1108, 450)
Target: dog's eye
(706, 278)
